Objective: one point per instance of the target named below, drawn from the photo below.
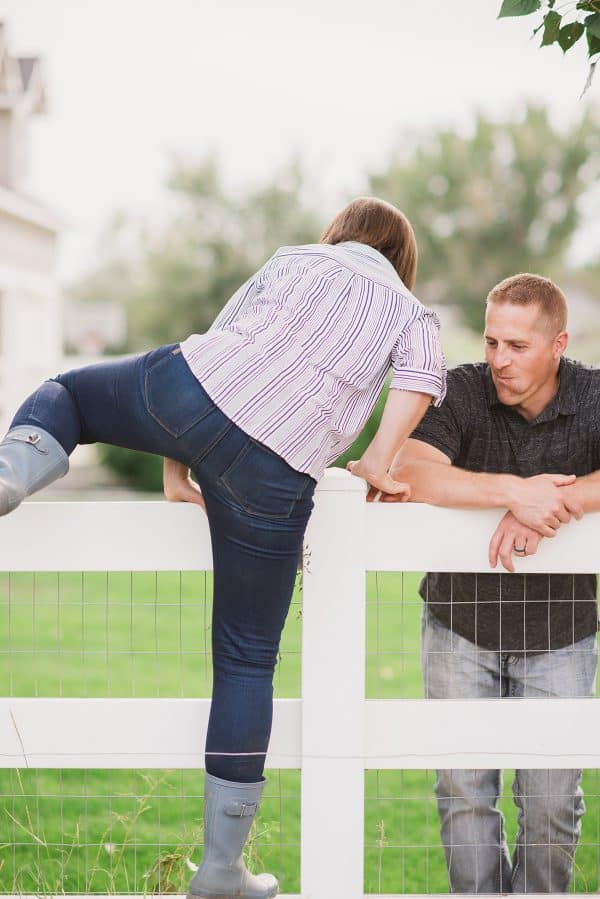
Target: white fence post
(333, 692)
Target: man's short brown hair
(526, 290)
(380, 225)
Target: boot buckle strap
(238, 809)
(32, 439)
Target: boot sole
(228, 895)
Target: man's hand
(512, 537)
(376, 495)
(379, 482)
(539, 502)
(178, 486)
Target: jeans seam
(175, 434)
(263, 515)
(216, 439)
(267, 516)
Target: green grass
(126, 831)
(148, 635)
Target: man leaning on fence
(511, 434)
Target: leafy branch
(564, 27)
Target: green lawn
(130, 831)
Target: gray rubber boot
(229, 809)
(30, 458)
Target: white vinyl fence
(332, 733)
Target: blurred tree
(484, 206)
(214, 242)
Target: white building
(30, 320)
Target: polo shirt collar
(564, 403)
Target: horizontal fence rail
(333, 733)
(397, 734)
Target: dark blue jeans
(258, 508)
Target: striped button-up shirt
(300, 353)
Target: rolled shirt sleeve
(417, 359)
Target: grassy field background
(122, 634)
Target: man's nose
(501, 358)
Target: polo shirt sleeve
(593, 412)
(442, 427)
(417, 360)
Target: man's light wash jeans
(550, 802)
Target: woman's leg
(150, 402)
(108, 402)
(258, 508)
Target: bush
(142, 471)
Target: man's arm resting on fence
(585, 492)
(434, 479)
(537, 502)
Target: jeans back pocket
(263, 484)
(173, 395)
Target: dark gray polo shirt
(514, 612)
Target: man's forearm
(447, 485)
(585, 491)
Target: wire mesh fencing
(404, 852)
(118, 634)
(475, 830)
(147, 634)
(139, 832)
(123, 634)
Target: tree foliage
(500, 200)
(564, 27)
(214, 242)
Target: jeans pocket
(173, 396)
(263, 484)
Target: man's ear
(560, 343)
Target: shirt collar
(563, 403)
(364, 250)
